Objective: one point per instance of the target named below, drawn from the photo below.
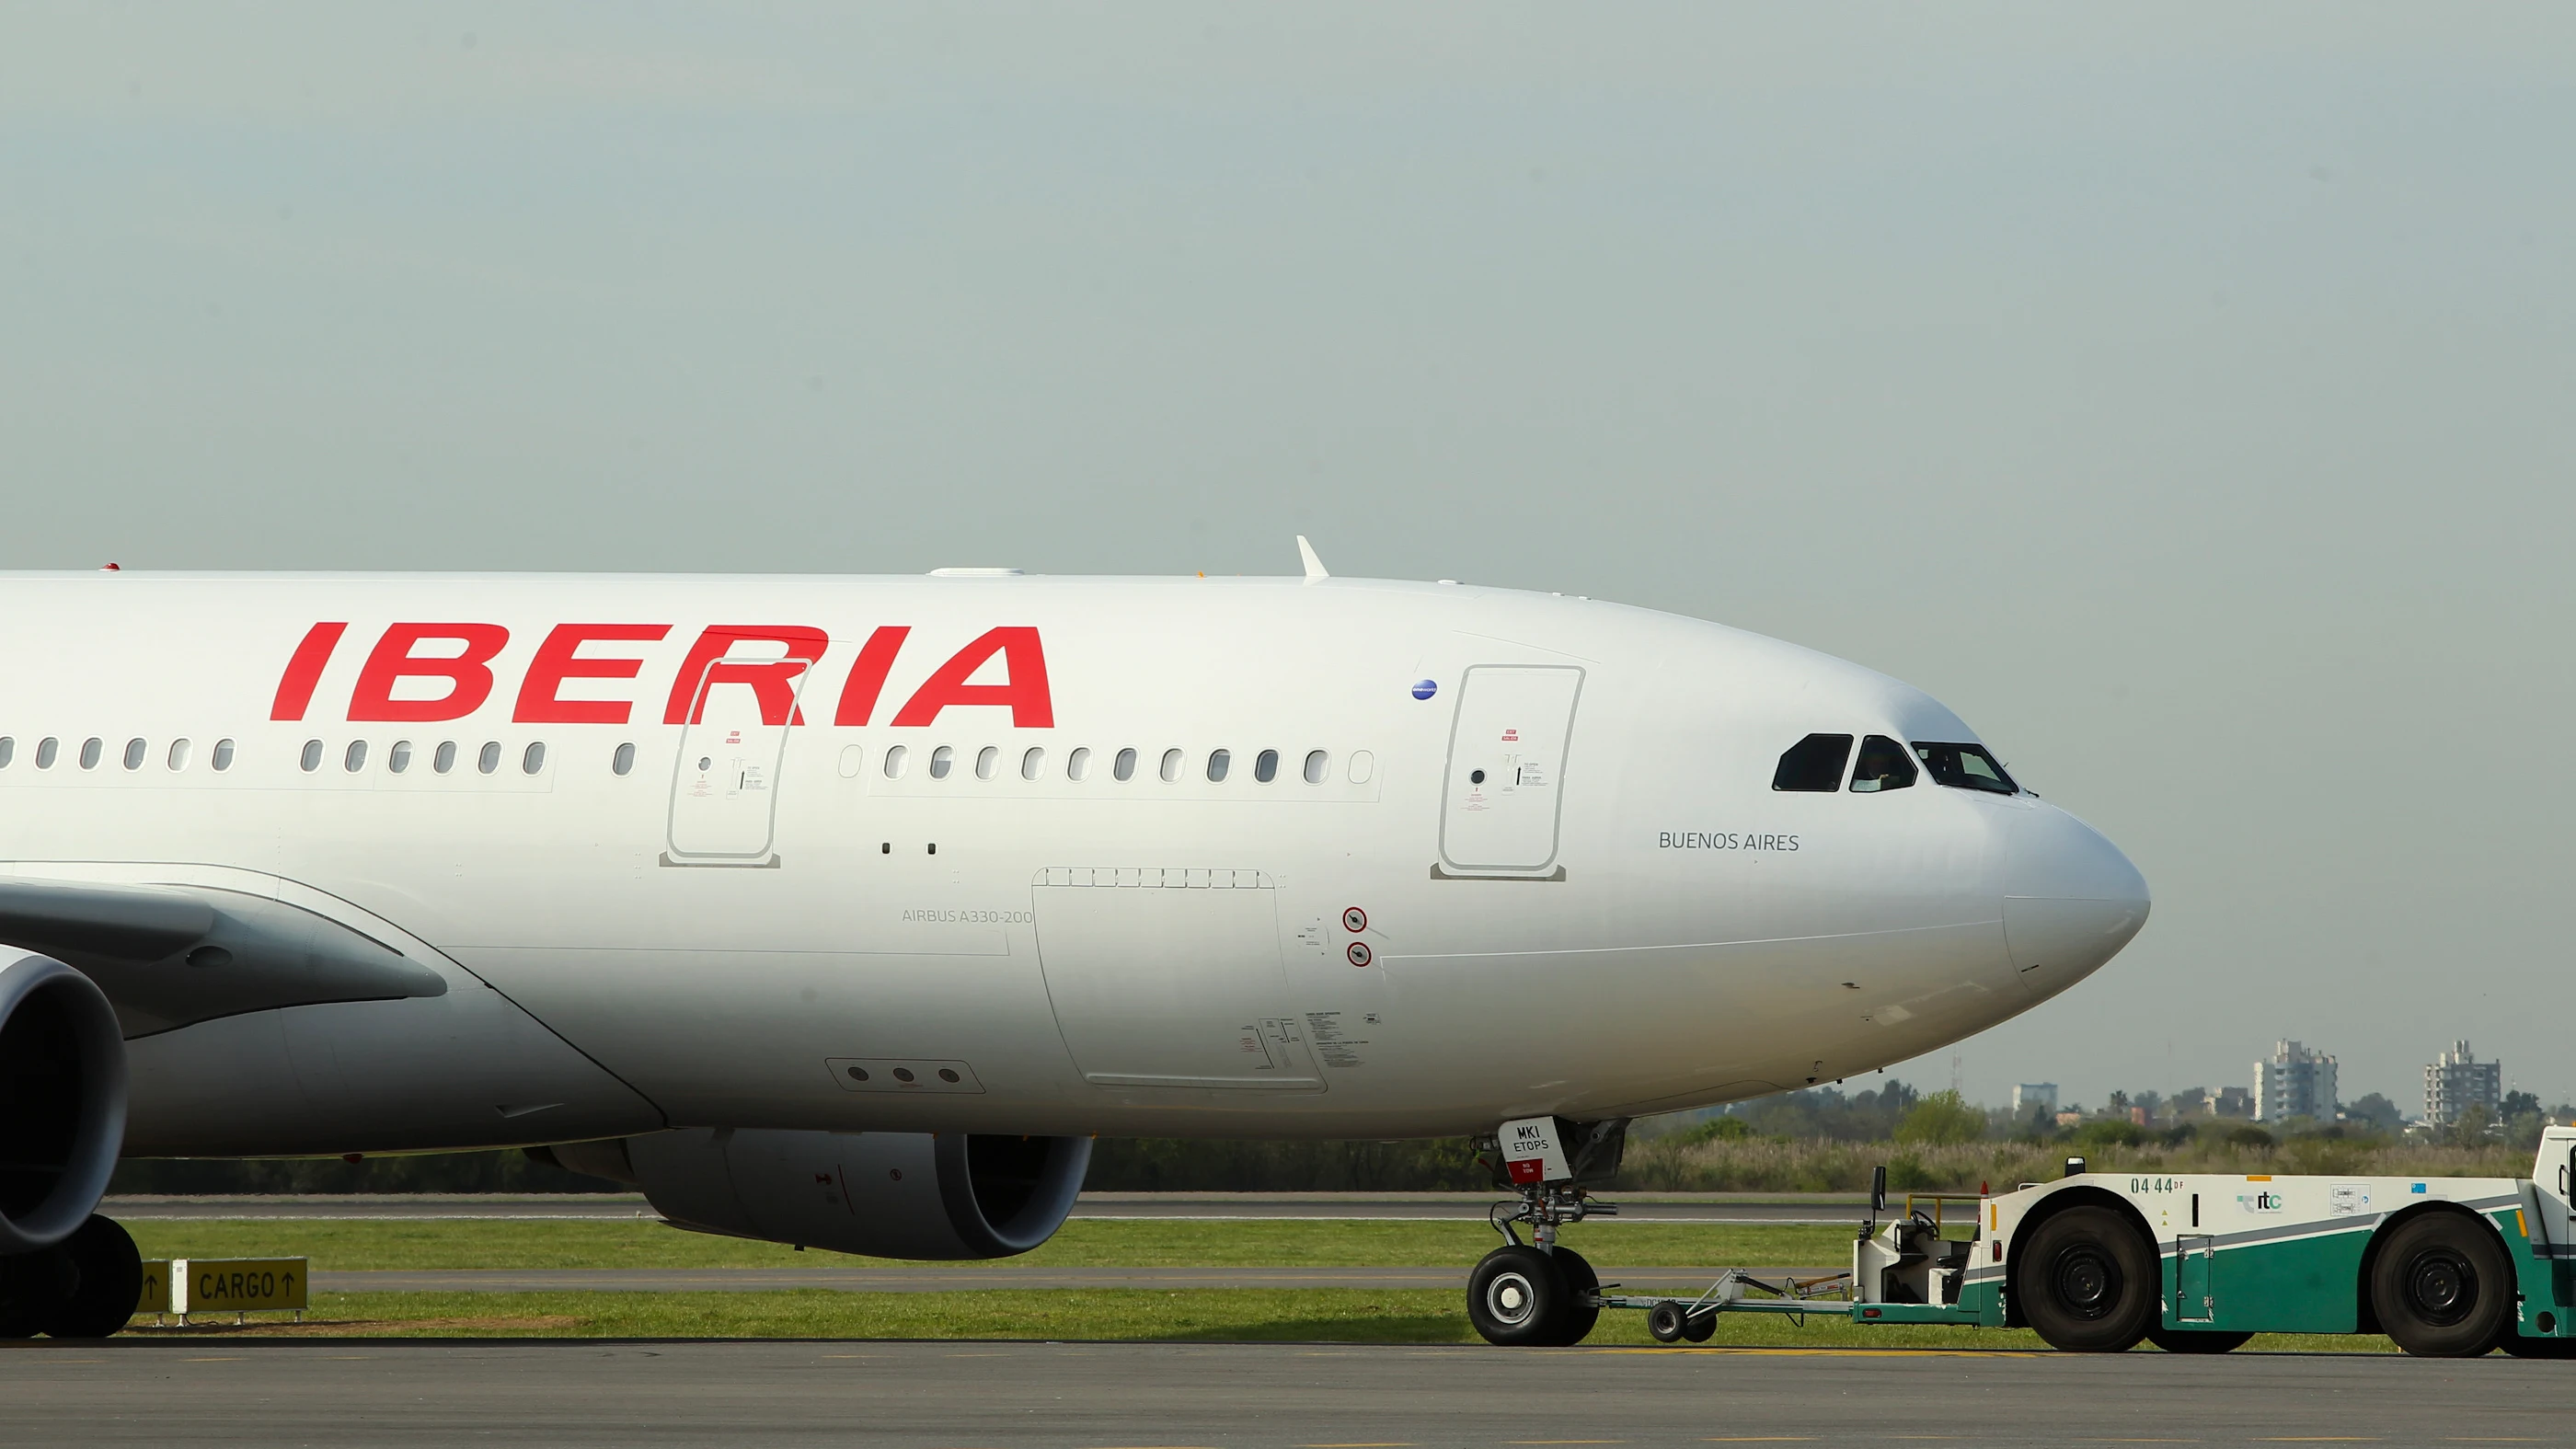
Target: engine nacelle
(62, 1100)
(884, 1194)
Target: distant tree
(1940, 1119)
(2474, 1127)
(2248, 1135)
(2517, 1103)
(2111, 1132)
(2523, 1120)
(2119, 1106)
(2377, 1112)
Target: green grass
(355, 1245)
(1232, 1315)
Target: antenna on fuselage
(1314, 565)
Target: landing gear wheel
(2088, 1282)
(2195, 1340)
(32, 1286)
(110, 1270)
(1581, 1313)
(1700, 1327)
(2443, 1287)
(1666, 1321)
(1516, 1298)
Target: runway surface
(1834, 1209)
(952, 1278)
(1278, 1396)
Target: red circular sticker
(1355, 919)
(1359, 953)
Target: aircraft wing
(170, 955)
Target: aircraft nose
(2071, 900)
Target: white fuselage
(759, 923)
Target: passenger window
(445, 759)
(1265, 766)
(1813, 765)
(8, 751)
(984, 759)
(533, 759)
(178, 755)
(1124, 767)
(223, 755)
(895, 756)
(940, 761)
(1965, 767)
(1077, 766)
(1032, 761)
(623, 762)
(1171, 766)
(92, 750)
(490, 759)
(398, 759)
(1318, 765)
(312, 758)
(1363, 765)
(46, 749)
(1218, 762)
(134, 752)
(1883, 766)
(356, 758)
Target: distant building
(2456, 1081)
(2296, 1082)
(2029, 1097)
(2070, 1119)
(2235, 1102)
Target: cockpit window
(1966, 767)
(1814, 764)
(1883, 766)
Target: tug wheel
(2443, 1287)
(2088, 1282)
(1580, 1312)
(1665, 1321)
(2195, 1340)
(1516, 1298)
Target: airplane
(847, 911)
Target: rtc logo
(2265, 1201)
(421, 673)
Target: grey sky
(2182, 394)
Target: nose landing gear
(1541, 1293)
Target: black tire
(2443, 1287)
(1580, 1313)
(1700, 1327)
(32, 1286)
(1665, 1321)
(1516, 1299)
(110, 1270)
(2088, 1282)
(2195, 1340)
(2521, 1347)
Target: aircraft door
(724, 804)
(1502, 800)
(1170, 977)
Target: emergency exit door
(724, 785)
(1503, 798)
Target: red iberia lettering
(1023, 687)
(773, 681)
(868, 675)
(558, 659)
(304, 670)
(467, 672)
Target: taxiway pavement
(210, 1391)
(954, 1278)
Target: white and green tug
(2097, 1262)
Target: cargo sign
(236, 1285)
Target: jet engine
(62, 1100)
(884, 1194)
